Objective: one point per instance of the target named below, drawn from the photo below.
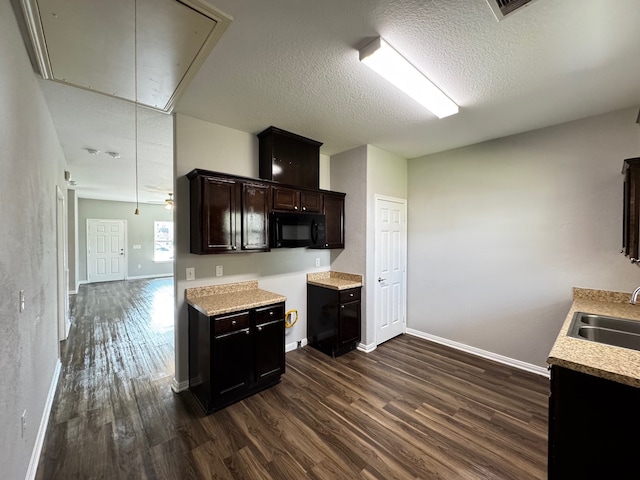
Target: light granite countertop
(606, 361)
(230, 297)
(335, 280)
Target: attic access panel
(91, 44)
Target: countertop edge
(235, 301)
(334, 286)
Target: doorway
(106, 250)
(390, 267)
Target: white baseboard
(512, 362)
(178, 387)
(44, 422)
(367, 348)
(290, 347)
(141, 277)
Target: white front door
(390, 267)
(106, 250)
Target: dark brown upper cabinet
(228, 214)
(334, 217)
(294, 200)
(288, 158)
(255, 216)
(631, 208)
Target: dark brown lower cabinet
(234, 355)
(333, 319)
(594, 427)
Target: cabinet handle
(259, 329)
(271, 314)
(233, 247)
(247, 332)
(295, 208)
(233, 322)
(351, 294)
(304, 209)
(341, 306)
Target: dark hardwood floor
(411, 409)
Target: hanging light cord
(135, 90)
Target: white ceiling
(294, 64)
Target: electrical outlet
(191, 273)
(317, 262)
(21, 301)
(219, 271)
(23, 423)
(139, 265)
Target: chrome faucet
(634, 296)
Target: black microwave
(292, 230)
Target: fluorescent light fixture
(388, 63)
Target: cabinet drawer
(229, 323)
(269, 314)
(349, 295)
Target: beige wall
(32, 166)
(363, 173)
(500, 232)
(200, 144)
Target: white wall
(362, 173)
(500, 232)
(199, 144)
(139, 232)
(32, 166)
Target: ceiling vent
(103, 46)
(504, 8)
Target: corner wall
(200, 144)
(362, 173)
(32, 166)
(500, 232)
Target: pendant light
(135, 92)
(169, 202)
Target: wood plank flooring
(411, 409)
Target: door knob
(380, 279)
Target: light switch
(191, 273)
(219, 271)
(21, 301)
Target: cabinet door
(218, 215)
(334, 214)
(255, 217)
(349, 323)
(231, 364)
(269, 348)
(310, 202)
(631, 208)
(286, 199)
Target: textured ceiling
(294, 64)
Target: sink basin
(621, 324)
(619, 332)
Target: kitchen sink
(619, 332)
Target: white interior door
(64, 321)
(390, 267)
(106, 241)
